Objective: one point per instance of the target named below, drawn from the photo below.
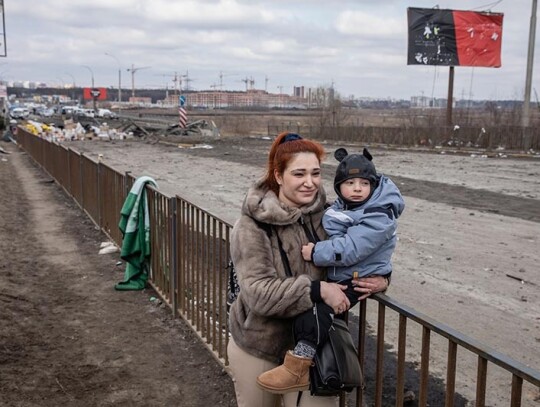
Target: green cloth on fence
(135, 227)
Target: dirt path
(66, 337)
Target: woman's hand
(307, 249)
(370, 285)
(333, 295)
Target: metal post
(92, 73)
(132, 81)
(4, 53)
(450, 97)
(530, 59)
(174, 257)
(119, 85)
(119, 76)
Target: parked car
(88, 113)
(45, 112)
(19, 113)
(106, 114)
(69, 110)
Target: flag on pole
(182, 112)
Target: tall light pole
(72, 77)
(73, 84)
(530, 59)
(91, 73)
(119, 77)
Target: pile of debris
(70, 130)
(196, 128)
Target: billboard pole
(530, 58)
(3, 45)
(449, 102)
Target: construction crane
(223, 75)
(187, 80)
(280, 87)
(176, 80)
(133, 70)
(250, 82)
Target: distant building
(137, 100)
(320, 97)
(425, 102)
(298, 91)
(216, 99)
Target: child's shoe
(291, 376)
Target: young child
(361, 225)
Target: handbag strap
(284, 258)
(310, 233)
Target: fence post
(99, 194)
(127, 183)
(69, 172)
(81, 167)
(174, 258)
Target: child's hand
(307, 250)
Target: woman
(262, 316)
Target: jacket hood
(385, 195)
(263, 205)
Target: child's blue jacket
(362, 239)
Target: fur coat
(261, 318)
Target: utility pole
(133, 70)
(530, 59)
(187, 80)
(119, 76)
(92, 89)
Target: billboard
(97, 93)
(454, 38)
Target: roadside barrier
(498, 138)
(190, 250)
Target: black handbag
(336, 367)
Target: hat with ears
(354, 166)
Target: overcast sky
(360, 46)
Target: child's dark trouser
(312, 326)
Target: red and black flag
(454, 38)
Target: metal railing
(190, 251)
(490, 138)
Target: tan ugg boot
(292, 375)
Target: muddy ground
(471, 227)
(67, 338)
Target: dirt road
(470, 231)
(66, 337)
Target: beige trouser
(245, 369)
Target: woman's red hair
(283, 151)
